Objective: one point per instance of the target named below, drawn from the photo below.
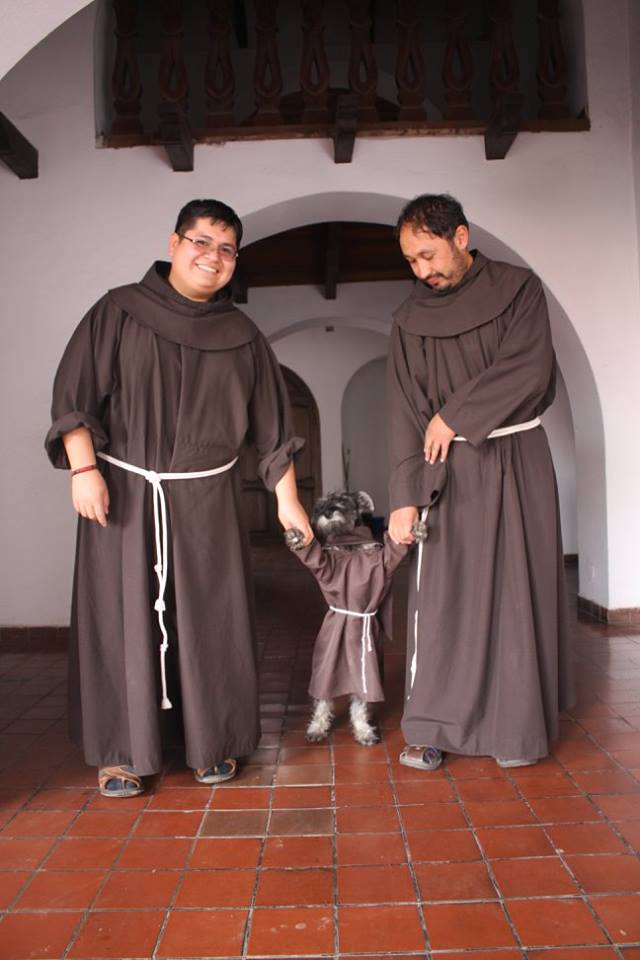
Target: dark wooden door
(260, 505)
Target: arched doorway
(364, 433)
(260, 505)
(584, 400)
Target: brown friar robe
(491, 667)
(170, 385)
(347, 648)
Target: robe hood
(356, 538)
(486, 290)
(215, 324)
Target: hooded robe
(489, 663)
(354, 573)
(170, 385)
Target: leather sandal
(505, 764)
(120, 781)
(421, 758)
(216, 774)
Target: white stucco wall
(26, 22)
(326, 361)
(364, 417)
(634, 61)
(564, 204)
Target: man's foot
(217, 774)
(505, 764)
(422, 758)
(120, 781)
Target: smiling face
(437, 261)
(199, 270)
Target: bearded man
(471, 369)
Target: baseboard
(620, 617)
(34, 639)
(56, 639)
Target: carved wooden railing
(267, 74)
(219, 81)
(318, 108)
(314, 69)
(552, 63)
(410, 73)
(125, 84)
(173, 84)
(457, 71)
(504, 77)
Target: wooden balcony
(179, 72)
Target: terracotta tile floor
(332, 850)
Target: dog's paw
(419, 531)
(320, 721)
(316, 736)
(366, 738)
(294, 538)
(318, 729)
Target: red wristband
(91, 466)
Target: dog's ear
(364, 502)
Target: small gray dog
(354, 573)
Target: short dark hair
(211, 209)
(438, 213)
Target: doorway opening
(260, 505)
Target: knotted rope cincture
(161, 537)
(499, 432)
(365, 639)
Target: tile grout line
(181, 879)
(487, 865)
(407, 853)
(248, 927)
(108, 874)
(584, 898)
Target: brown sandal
(421, 757)
(216, 774)
(126, 782)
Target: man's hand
(292, 514)
(90, 496)
(437, 440)
(400, 524)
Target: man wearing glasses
(159, 387)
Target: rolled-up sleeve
(270, 420)
(84, 381)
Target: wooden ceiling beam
(346, 126)
(503, 127)
(332, 260)
(175, 136)
(16, 152)
(239, 286)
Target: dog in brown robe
(354, 573)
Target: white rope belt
(162, 542)
(499, 432)
(365, 638)
(505, 431)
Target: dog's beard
(335, 524)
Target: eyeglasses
(226, 250)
